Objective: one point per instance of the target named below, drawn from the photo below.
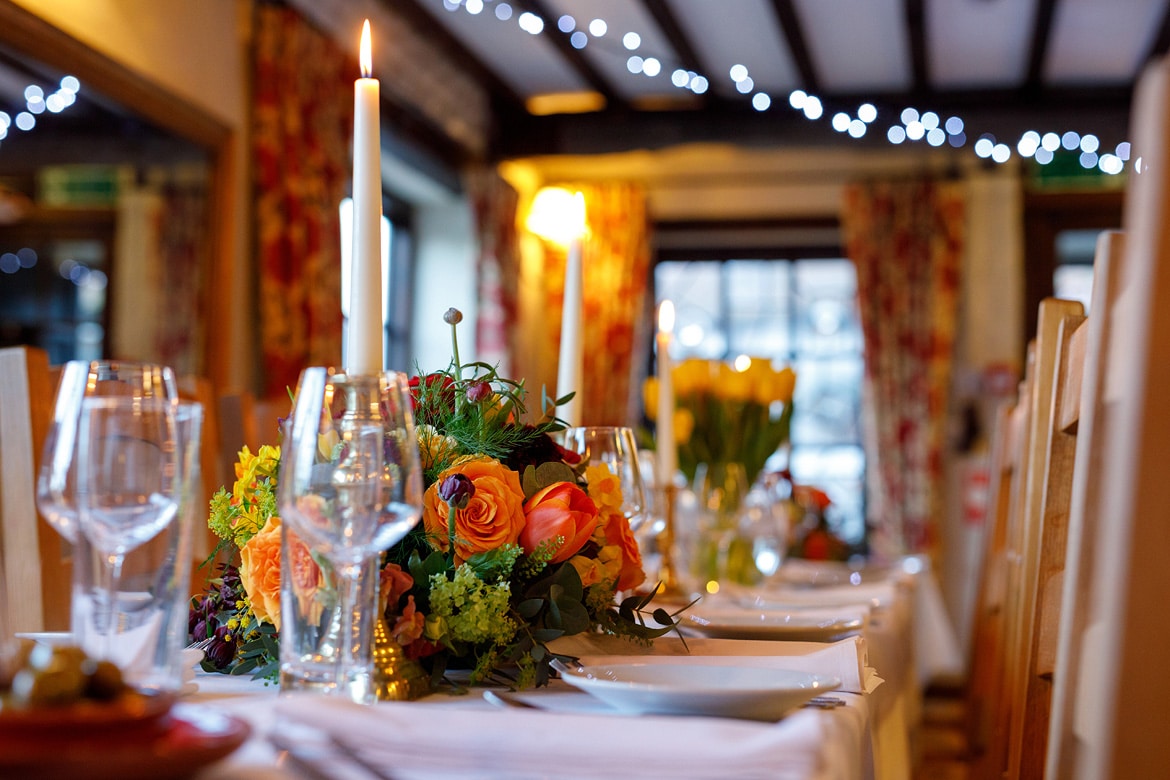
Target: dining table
(866, 627)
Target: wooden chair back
(37, 568)
(1050, 479)
(987, 661)
(1111, 681)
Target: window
(1072, 278)
(798, 312)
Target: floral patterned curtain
(494, 203)
(616, 267)
(301, 126)
(906, 239)
(182, 236)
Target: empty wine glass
(615, 448)
(129, 484)
(350, 486)
(56, 492)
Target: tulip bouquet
(726, 415)
(520, 542)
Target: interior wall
(198, 50)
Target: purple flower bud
(456, 490)
(479, 391)
(453, 316)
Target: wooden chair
(1111, 683)
(1050, 480)
(212, 472)
(36, 567)
(987, 662)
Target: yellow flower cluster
(241, 514)
(724, 413)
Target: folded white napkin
(426, 740)
(846, 659)
(780, 596)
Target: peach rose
(409, 625)
(492, 518)
(618, 534)
(560, 510)
(393, 582)
(260, 572)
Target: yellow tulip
(733, 385)
(650, 397)
(691, 377)
(785, 385)
(684, 425)
(762, 379)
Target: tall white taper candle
(365, 333)
(664, 427)
(571, 358)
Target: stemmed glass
(613, 446)
(350, 486)
(129, 483)
(56, 490)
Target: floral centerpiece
(520, 542)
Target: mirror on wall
(104, 220)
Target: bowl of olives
(62, 688)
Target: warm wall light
(557, 215)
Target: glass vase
(311, 621)
(722, 553)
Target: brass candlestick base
(395, 677)
(670, 588)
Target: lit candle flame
(364, 52)
(666, 317)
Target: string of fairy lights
(37, 102)
(908, 126)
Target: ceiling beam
(1006, 113)
(574, 57)
(1041, 36)
(687, 56)
(793, 32)
(1161, 40)
(916, 36)
(454, 50)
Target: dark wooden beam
(688, 57)
(793, 33)
(574, 57)
(1006, 113)
(454, 51)
(1161, 41)
(916, 36)
(1041, 35)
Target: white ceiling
(855, 46)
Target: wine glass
(614, 447)
(56, 488)
(350, 486)
(129, 484)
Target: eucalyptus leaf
(529, 608)
(574, 616)
(568, 579)
(547, 634)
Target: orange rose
(260, 572)
(492, 518)
(618, 534)
(560, 510)
(409, 625)
(393, 582)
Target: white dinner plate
(52, 638)
(766, 624)
(688, 689)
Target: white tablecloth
(464, 736)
